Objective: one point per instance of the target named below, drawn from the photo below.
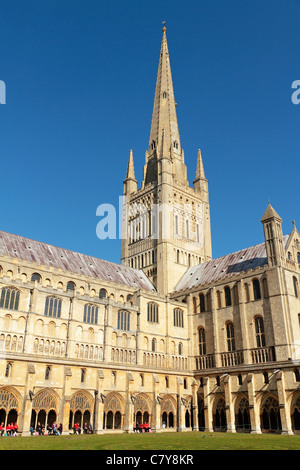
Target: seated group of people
(53, 430)
(9, 430)
(144, 427)
(87, 428)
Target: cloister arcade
(46, 408)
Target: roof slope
(219, 268)
(34, 251)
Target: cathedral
(170, 336)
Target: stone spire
(164, 141)
(164, 126)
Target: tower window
(230, 337)
(260, 332)
(202, 342)
(295, 282)
(164, 94)
(202, 303)
(256, 289)
(227, 296)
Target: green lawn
(160, 441)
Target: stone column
(253, 406)
(155, 426)
(285, 413)
(230, 415)
(25, 415)
(208, 412)
(129, 404)
(99, 402)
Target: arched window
(52, 307)
(180, 349)
(152, 312)
(36, 277)
(102, 294)
(47, 372)
(153, 345)
(256, 289)
(90, 314)
(202, 303)
(123, 320)
(70, 286)
(202, 342)
(230, 336)
(178, 317)
(227, 296)
(260, 332)
(298, 257)
(295, 282)
(9, 298)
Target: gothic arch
(81, 401)
(46, 399)
(219, 413)
(188, 405)
(168, 411)
(270, 413)
(142, 409)
(45, 406)
(81, 408)
(295, 412)
(242, 413)
(10, 404)
(113, 411)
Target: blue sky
(80, 78)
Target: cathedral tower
(166, 223)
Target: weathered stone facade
(170, 336)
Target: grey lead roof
(23, 248)
(218, 269)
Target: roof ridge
(70, 251)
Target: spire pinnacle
(200, 168)
(130, 168)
